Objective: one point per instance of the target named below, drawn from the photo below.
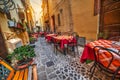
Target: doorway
(110, 18)
(3, 48)
(53, 23)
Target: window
(59, 23)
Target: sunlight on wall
(36, 4)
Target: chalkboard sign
(81, 41)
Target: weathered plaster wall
(3, 23)
(84, 21)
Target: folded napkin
(118, 43)
(114, 49)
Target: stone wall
(5, 28)
(77, 16)
(84, 21)
(60, 8)
(3, 22)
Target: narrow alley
(59, 39)
(60, 67)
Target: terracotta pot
(25, 64)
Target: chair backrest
(6, 71)
(106, 59)
(81, 41)
(115, 38)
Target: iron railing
(6, 5)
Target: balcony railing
(6, 5)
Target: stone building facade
(60, 15)
(77, 16)
(7, 32)
(3, 25)
(84, 21)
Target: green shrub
(22, 53)
(32, 40)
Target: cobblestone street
(60, 67)
(60, 39)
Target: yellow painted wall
(54, 8)
(3, 23)
(4, 27)
(84, 21)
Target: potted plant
(103, 35)
(100, 35)
(22, 56)
(32, 40)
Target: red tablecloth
(48, 37)
(104, 56)
(88, 49)
(64, 40)
(43, 33)
(35, 35)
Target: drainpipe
(70, 16)
(48, 16)
(48, 9)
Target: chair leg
(73, 49)
(92, 67)
(55, 49)
(77, 50)
(64, 51)
(113, 77)
(92, 70)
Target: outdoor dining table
(48, 37)
(64, 40)
(42, 33)
(88, 53)
(35, 35)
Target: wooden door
(110, 17)
(3, 49)
(54, 27)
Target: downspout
(70, 16)
(48, 9)
(48, 24)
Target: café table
(35, 35)
(64, 40)
(88, 53)
(48, 37)
(105, 55)
(42, 33)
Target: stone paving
(61, 67)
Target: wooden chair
(115, 38)
(7, 72)
(55, 45)
(107, 64)
(80, 41)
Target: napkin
(114, 49)
(118, 43)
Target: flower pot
(24, 63)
